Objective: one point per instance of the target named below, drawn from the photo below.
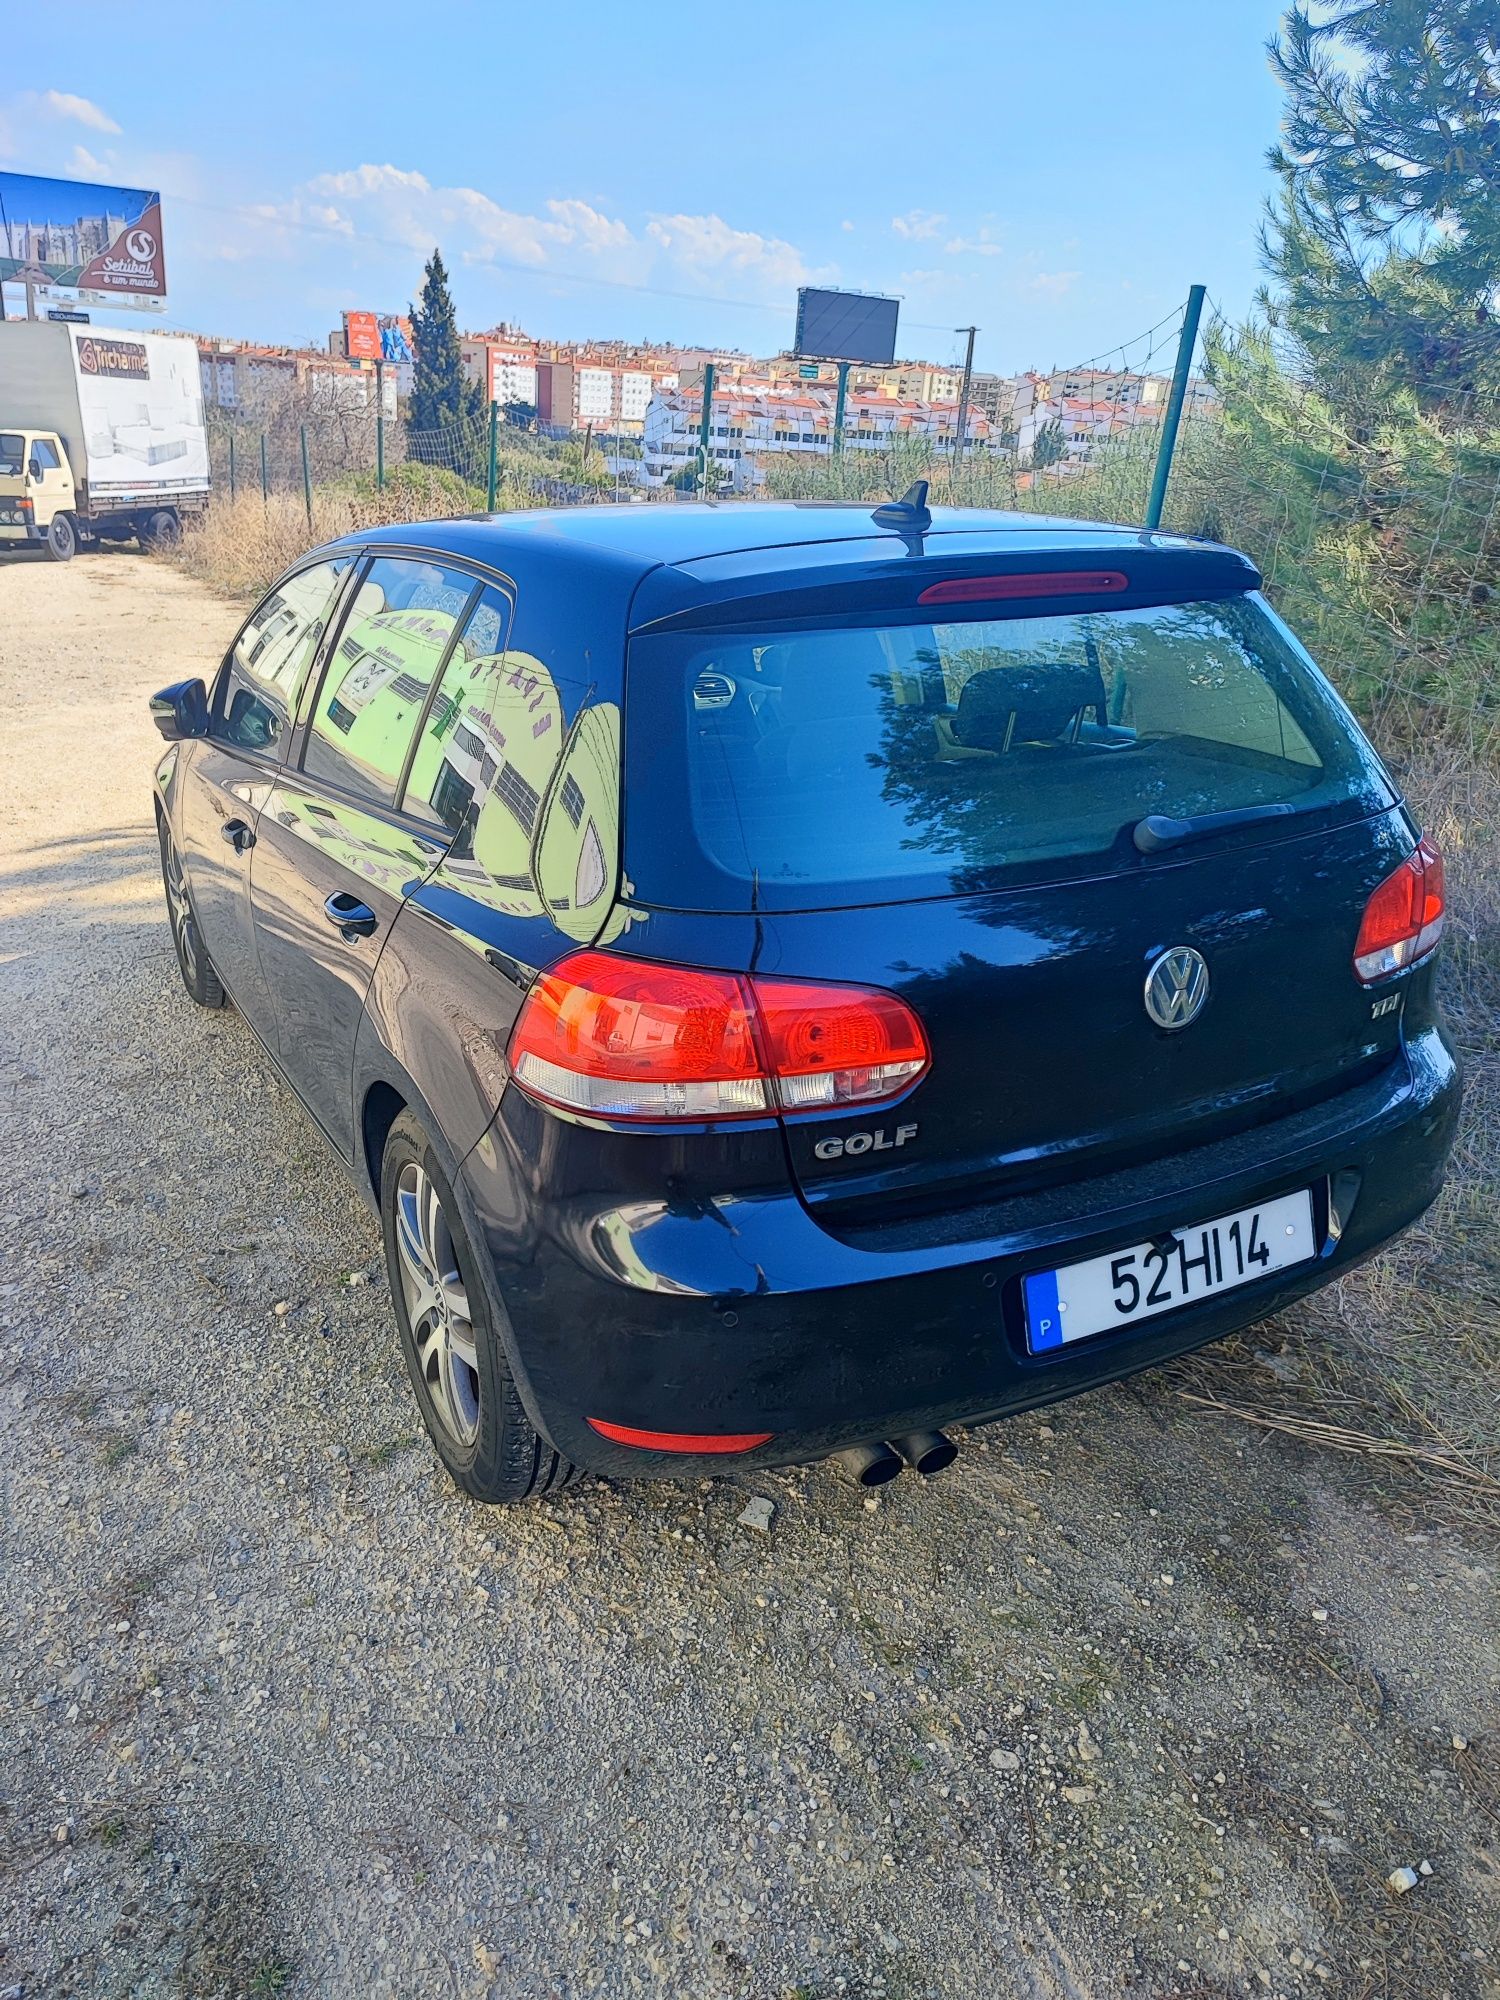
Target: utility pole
(963, 393)
(380, 426)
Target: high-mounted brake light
(626, 1039)
(1403, 920)
(1039, 583)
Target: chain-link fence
(1379, 537)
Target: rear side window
(404, 618)
(835, 766)
(269, 661)
(456, 761)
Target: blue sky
(1058, 176)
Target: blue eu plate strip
(1043, 1318)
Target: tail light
(625, 1039)
(1403, 920)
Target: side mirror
(33, 468)
(181, 710)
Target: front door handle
(238, 833)
(353, 918)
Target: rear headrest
(1043, 700)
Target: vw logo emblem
(1176, 987)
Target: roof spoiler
(909, 514)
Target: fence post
(1187, 341)
(306, 476)
(493, 480)
(265, 479)
(705, 426)
(231, 465)
(838, 409)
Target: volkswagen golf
(794, 978)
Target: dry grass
(1399, 1366)
(239, 547)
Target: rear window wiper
(1157, 831)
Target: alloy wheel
(180, 912)
(437, 1305)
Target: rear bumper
(746, 1315)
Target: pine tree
(440, 394)
(1386, 233)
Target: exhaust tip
(928, 1452)
(869, 1464)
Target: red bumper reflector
(689, 1441)
(1045, 583)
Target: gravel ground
(1134, 1700)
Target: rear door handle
(353, 918)
(238, 833)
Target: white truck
(101, 436)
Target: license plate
(1172, 1270)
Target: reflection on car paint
(541, 832)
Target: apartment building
(752, 417)
(239, 375)
(585, 389)
(502, 363)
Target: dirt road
(1134, 1700)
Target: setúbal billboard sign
(100, 243)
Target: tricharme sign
(113, 357)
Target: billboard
(846, 326)
(362, 337)
(102, 243)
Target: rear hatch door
(947, 803)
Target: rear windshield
(830, 766)
(12, 452)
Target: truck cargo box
(128, 405)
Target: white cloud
(83, 110)
(847, 225)
(1051, 284)
(982, 245)
(917, 224)
(708, 246)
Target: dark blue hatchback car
(791, 978)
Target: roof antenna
(910, 512)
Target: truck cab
(38, 497)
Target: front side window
(825, 767)
(269, 661)
(45, 456)
(404, 618)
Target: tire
(61, 540)
(453, 1353)
(193, 961)
(163, 530)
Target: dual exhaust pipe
(927, 1452)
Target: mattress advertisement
(141, 403)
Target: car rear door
(343, 837)
(228, 775)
